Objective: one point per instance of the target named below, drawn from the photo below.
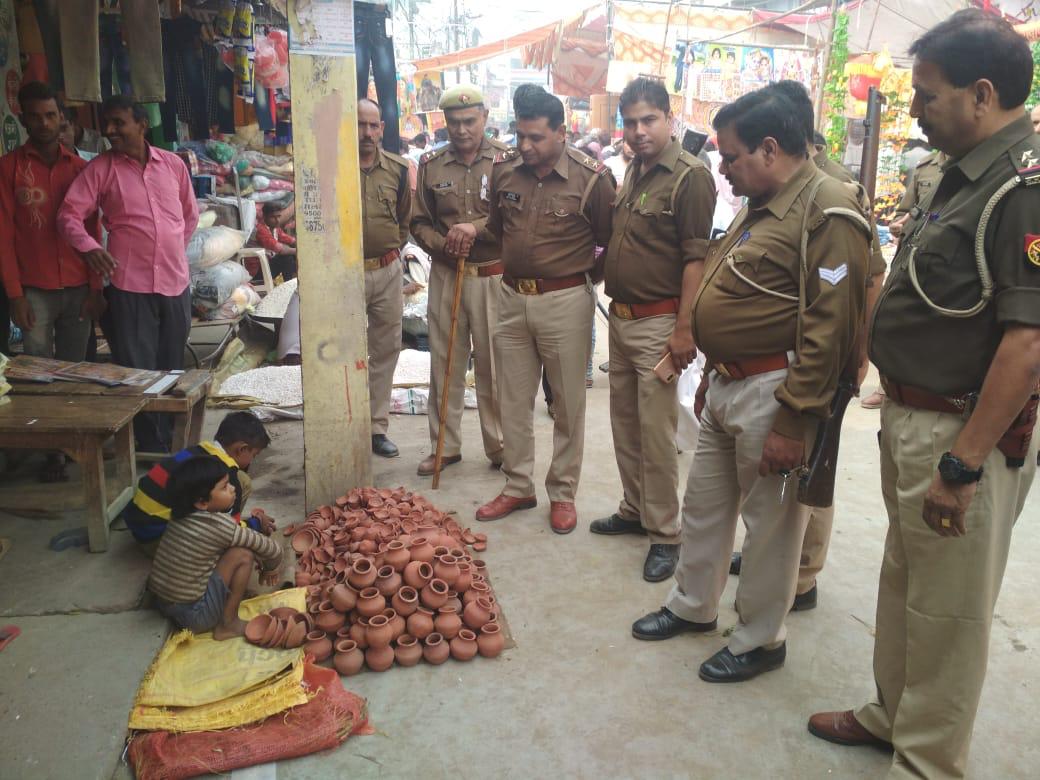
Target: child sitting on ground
(205, 558)
(240, 438)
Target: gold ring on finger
(945, 521)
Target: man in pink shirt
(149, 210)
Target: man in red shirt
(149, 209)
(54, 296)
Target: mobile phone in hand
(665, 369)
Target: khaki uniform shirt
(913, 344)
(550, 227)
(734, 320)
(386, 204)
(921, 182)
(448, 192)
(658, 229)
(841, 173)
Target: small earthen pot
(447, 623)
(435, 649)
(329, 620)
(465, 579)
(359, 633)
(464, 646)
(379, 659)
(379, 631)
(343, 598)
(490, 641)
(477, 613)
(421, 550)
(257, 628)
(397, 623)
(446, 568)
(420, 623)
(397, 555)
(408, 651)
(370, 602)
(388, 581)
(434, 594)
(417, 574)
(405, 601)
(362, 574)
(318, 645)
(349, 657)
(454, 601)
(477, 590)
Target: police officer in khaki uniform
(919, 185)
(653, 266)
(386, 204)
(777, 329)
(956, 337)
(551, 206)
(450, 221)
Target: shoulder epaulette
(1030, 176)
(498, 145)
(427, 156)
(591, 163)
(506, 155)
(396, 158)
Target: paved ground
(577, 697)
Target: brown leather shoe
(842, 728)
(426, 466)
(503, 505)
(562, 516)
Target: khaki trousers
(814, 548)
(384, 305)
(935, 596)
(723, 485)
(478, 315)
(644, 413)
(535, 331)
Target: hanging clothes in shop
(185, 85)
(115, 58)
(374, 45)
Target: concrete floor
(577, 696)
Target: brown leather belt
(742, 369)
(637, 311)
(494, 268)
(375, 263)
(917, 398)
(540, 286)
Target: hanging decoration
(835, 88)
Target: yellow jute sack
(196, 683)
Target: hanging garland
(1034, 93)
(835, 87)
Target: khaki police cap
(461, 96)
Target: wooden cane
(460, 268)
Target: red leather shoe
(842, 728)
(562, 516)
(503, 505)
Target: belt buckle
(470, 270)
(723, 371)
(965, 403)
(624, 311)
(527, 286)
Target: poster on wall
(722, 72)
(10, 128)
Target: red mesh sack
(322, 723)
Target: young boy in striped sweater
(205, 558)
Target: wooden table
(186, 400)
(79, 426)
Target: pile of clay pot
(389, 581)
(281, 628)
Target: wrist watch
(952, 469)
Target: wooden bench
(79, 425)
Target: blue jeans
(373, 46)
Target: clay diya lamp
(297, 632)
(477, 613)
(397, 623)
(468, 537)
(370, 602)
(405, 601)
(343, 598)
(464, 646)
(269, 633)
(303, 579)
(490, 640)
(465, 579)
(279, 637)
(420, 623)
(446, 568)
(479, 546)
(362, 574)
(408, 651)
(257, 628)
(417, 574)
(435, 649)
(434, 594)
(283, 613)
(318, 645)
(349, 657)
(359, 633)
(379, 631)
(379, 659)
(447, 623)
(397, 555)
(328, 619)
(388, 581)
(421, 550)
(304, 539)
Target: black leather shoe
(660, 562)
(383, 447)
(734, 564)
(664, 624)
(616, 524)
(725, 667)
(805, 601)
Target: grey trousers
(59, 332)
